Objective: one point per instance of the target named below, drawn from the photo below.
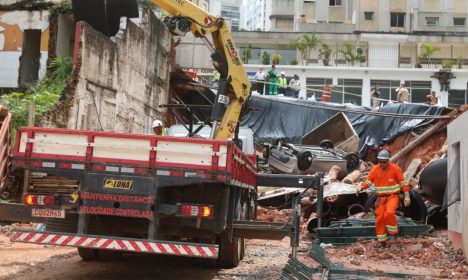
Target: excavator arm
(234, 85)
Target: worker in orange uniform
(388, 180)
(326, 93)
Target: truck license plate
(48, 213)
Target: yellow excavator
(185, 16)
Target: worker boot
(382, 244)
(393, 238)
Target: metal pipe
(319, 186)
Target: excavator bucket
(104, 15)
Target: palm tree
(427, 51)
(247, 54)
(305, 45)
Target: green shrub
(44, 95)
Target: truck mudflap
(117, 243)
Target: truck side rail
(132, 153)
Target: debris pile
(435, 253)
(7, 229)
(273, 215)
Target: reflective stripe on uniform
(368, 182)
(387, 189)
(381, 237)
(392, 229)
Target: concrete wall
(117, 86)
(458, 212)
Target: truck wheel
(109, 255)
(88, 254)
(230, 253)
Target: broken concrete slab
(117, 86)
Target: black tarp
(290, 119)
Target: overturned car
(304, 159)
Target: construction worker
(159, 129)
(282, 83)
(388, 180)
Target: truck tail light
(33, 199)
(187, 210)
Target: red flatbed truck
(142, 193)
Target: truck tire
(109, 255)
(88, 254)
(232, 252)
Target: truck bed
(70, 152)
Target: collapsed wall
(117, 86)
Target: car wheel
(326, 144)
(352, 161)
(304, 160)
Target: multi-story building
(256, 15)
(397, 41)
(229, 10)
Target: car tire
(326, 144)
(352, 161)
(304, 160)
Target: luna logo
(118, 184)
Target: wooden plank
(412, 168)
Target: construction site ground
(431, 257)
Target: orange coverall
(388, 184)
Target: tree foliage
(325, 53)
(265, 58)
(352, 53)
(247, 54)
(276, 59)
(305, 45)
(427, 50)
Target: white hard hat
(283, 73)
(157, 123)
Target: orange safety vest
(326, 96)
(387, 182)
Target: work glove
(358, 189)
(407, 200)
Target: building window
(284, 23)
(397, 19)
(432, 21)
(460, 21)
(347, 91)
(418, 90)
(284, 3)
(369, 15)
(315, 87)
(386, 89)
(457, 97)
(335, 2)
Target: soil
(428, 257)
